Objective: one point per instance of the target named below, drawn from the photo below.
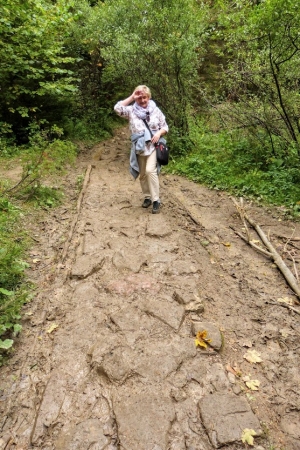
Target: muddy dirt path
(107, 358)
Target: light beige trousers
(148, 176)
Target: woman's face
(143, 100)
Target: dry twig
(285, 305)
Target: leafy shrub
(12, 293)
(43, 196)
(230, 161)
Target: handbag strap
(147, 126)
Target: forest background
(225, 73)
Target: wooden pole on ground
(78, 207)
(271, 250)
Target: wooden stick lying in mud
(273, 253)
(79, 202)
(285, 305)
(259, 249)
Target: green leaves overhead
(152, 42)
(34, 62)
(262, 42)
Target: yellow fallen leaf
(36, 260)
(226, 244)
(255, 241)
(247, 436)
(201, 339)
(252, 356)
(251, 384)
(52, 328)
(286, 300)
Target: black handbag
(162, 150)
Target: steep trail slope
(107, 358)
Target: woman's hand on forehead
(139, 94)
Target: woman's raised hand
(136, 95)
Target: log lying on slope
(271, 252)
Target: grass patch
(40, 160)
(13, 289)
(231, 162)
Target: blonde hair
(144, 89)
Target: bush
(12, 291)
(230, 161)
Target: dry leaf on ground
(52, 328)
(286, 300)
(253, 356)
(231, 370)
(246, 344)
(247, 436)
(251, 384)
(36, 260)
(226, 244)
(201, 339)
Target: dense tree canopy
(263, 73)
(70, 60)
(35, 66)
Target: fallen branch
(285, 305)
(261, 250)
(288, 238)
(273, 253)
(78, 207)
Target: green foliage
(12, 293)
(88, 131)
(42, 196)
(261, 80)
(34, 64)
(41, 159)
(230, 161)
(158, 44)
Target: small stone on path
(86, 265)
(183, 267)
(129, 259)
(213, 333)
(144, 419)
(167, 311)
(225, 416)
(158, 227)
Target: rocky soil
(107, 358)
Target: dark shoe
(147, 203)
(156, 206)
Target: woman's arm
(133, 97)
(127, 101)
(121, 106)
(163, 128)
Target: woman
(143, 154)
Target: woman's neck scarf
(144, 113)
